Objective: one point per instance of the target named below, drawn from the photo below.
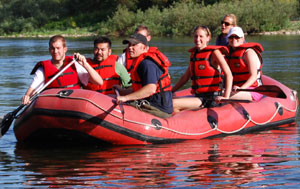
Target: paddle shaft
(235, 100)
(121, 104)
(256, 90)
(52, 79)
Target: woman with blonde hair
(227, 22)
(206, 68)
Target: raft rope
(179, 132)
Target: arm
(184, 78)
(252, 61)
(123, 91)
(94, 76)
(142, 93)
(149, 74)
(219, 59)
(28, 94)
(37, 83)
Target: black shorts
(208, 99)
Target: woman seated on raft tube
(205, 69)
(245, 63)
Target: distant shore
(93, 34)
(281, 32)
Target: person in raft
(106, 65)
(227, 22)
(125, 58)
(245, 62)
(72, 78)
(151, 82)
(207, 64)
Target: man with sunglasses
(227, 23)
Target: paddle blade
(267, 90)
(8, 119)
(5, 123)
(271, 90)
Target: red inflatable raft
(82, 115)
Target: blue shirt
(221, 41)
(150, 73)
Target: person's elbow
(98, 80)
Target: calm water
(268, 159)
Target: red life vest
(164, 82)
(107, 70)
(68, 79)
(205, 78)
(129, 61)
(238, 66)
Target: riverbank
(281, 32)
(292, 29)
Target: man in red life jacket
(106, 65)
(151, 83)
(72, 78)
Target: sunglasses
(234, 37)
(226, 23)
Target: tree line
(120, 17)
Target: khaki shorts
(146, 107)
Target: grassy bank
(293, 28)
(176, 19)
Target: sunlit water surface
(267, 159)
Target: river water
(267, 159)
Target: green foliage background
(120, 17)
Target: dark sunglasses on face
(234, 37)
(226, 23)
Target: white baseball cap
(237, 31)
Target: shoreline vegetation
(114, 18)
(90, 34)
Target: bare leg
(180, 104)
(242, 96)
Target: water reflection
(265, 159)
(247, 160)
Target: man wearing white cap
(245, 62)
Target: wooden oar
(267, 90)
(121, 105)
(9, 117)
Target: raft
(83, 115)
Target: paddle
(267, 90)
(121, 104)
(235, 100)
(9, 117)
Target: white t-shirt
(122, 59)
(39, 79)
